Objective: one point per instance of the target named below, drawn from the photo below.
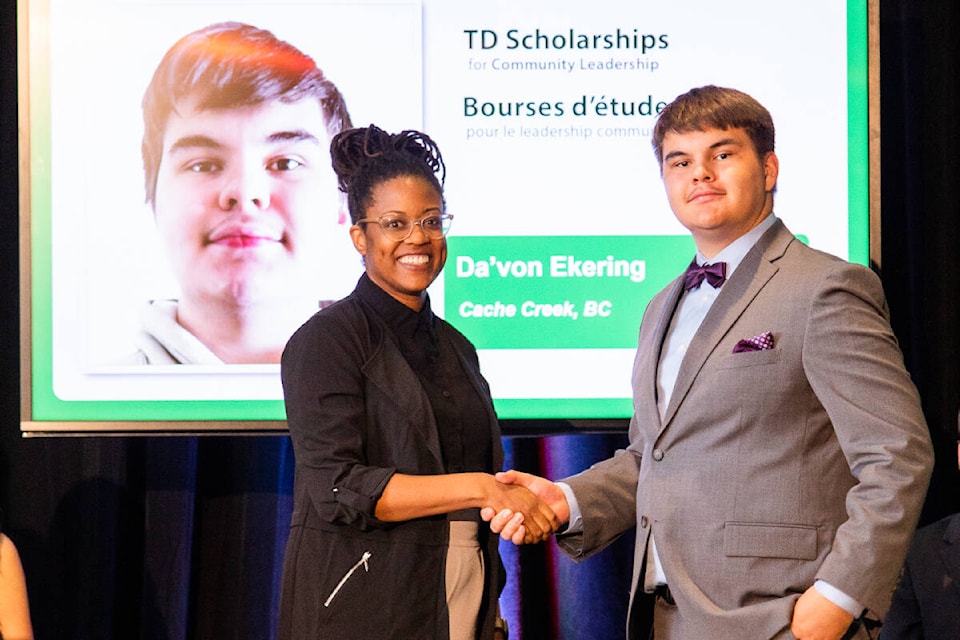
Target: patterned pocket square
(761, 342)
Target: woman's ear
(359, 239)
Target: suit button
(658, 454)
(644, 522)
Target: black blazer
(926, 603)
(347, 574)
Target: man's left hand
(817, 618)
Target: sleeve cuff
(575, 524)
(839, 598)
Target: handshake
(525, 508)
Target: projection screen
(543, 110)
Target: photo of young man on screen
(237, 127)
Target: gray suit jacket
(770, 469)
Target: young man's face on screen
(244, 197)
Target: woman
(393, 428)
(14, 608)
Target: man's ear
(771, 169)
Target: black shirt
(460, 412)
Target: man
(778, 455)
(237, 127)
(926, 604)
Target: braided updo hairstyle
(366, 157)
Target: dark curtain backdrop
(182, 538)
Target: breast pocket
(750, 359)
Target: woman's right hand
(411, 496)
(519, 505)
(512, 526)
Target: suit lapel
(648, 355)
(751, 276)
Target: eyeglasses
(398, 227)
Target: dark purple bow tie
(716, 275)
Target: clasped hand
(534, 524)
(817, 618)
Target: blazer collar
(390, 371)
(753, 274)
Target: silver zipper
(362, 561)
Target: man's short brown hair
(712, 107)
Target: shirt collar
(403, 319)
(734, 252)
